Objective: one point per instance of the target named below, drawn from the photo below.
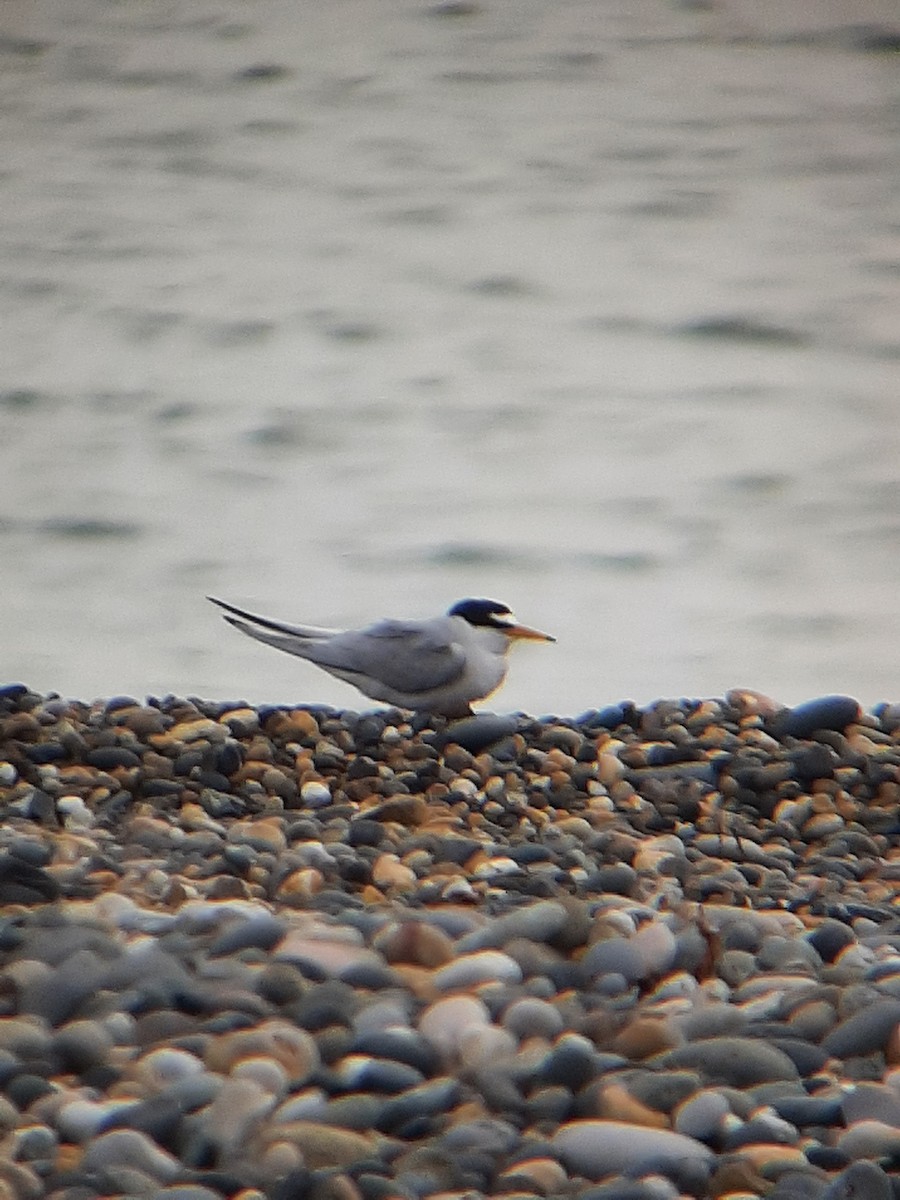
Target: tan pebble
(418, 980)
(642, 1038)
(105, 881)
(418, 860)
(821, 825)
(193, 817)
(145, 824)
(338, 1187)
(615, 1103)
(794, 811)
(749, 702)
(176, 893)
(300, 885)
(225, 887)
(280, 1159)
(861, 743)
(68, 1157)
(760, 739)
(849, 808)
(415, 942)
(268, 832)
(324, 1145)
(762, 1155)
(458, 888)
(389, 872)
(409, 811)
(483, 1045)
(296, 723)
(237, 1108)
(191, 731)
(371, 895)
(737, 1180)
(546, 1174)
(293, 1048)
(446, 1022)
(648, 858)
(576, 827)
(22, 727)
(247, 717)
(158, 766)
(333, 954)
(76, 776)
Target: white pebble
(315, 794)
(74, 812)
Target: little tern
(438, 666)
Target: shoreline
(641, 954)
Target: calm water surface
(349, 310)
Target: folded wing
(406, 657)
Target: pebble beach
(287, 952)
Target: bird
(437, 666)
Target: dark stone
(294, 1184)
(862, 1180)
(830, 938)
(733, 1061)
(571, 1062)
(865, 1032)
(618, 879)
(477, 733)
(22, 883)
(262, 932)
(827, 712)
(107, 758)
(45, 752)
(809, 1110)
(24, 1089)
(365, 832)
(400, 1045)
(813, 762)
(31, 851)
(42, 808)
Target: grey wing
(406, 657)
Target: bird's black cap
(480, 612)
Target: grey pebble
(702, 1116)
(126, 1149)
(871, 1101)
(866, 1031)
(734, 1061)
(399, 1043)
(263, 932)
(538, 922)
(615, 956)
(860, 1181)
(597, 1148)
(531, 1017)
